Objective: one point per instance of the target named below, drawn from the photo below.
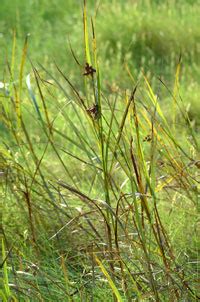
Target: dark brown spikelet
(89, 70)
(93, 111)
(147, 138)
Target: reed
(99, 188)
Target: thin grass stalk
(19, 95)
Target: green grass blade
(21, 73)
(110, 281)
(176, 89)
(5, 271)
(86, 38)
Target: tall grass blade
(176, 89)
(21, 73)
(5, 271)
(110, 281)
(86, 38)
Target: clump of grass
(94, 184)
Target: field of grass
(99, 152)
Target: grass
(100, 161)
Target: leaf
(110, 281)
(5, 271)
(86, 39)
